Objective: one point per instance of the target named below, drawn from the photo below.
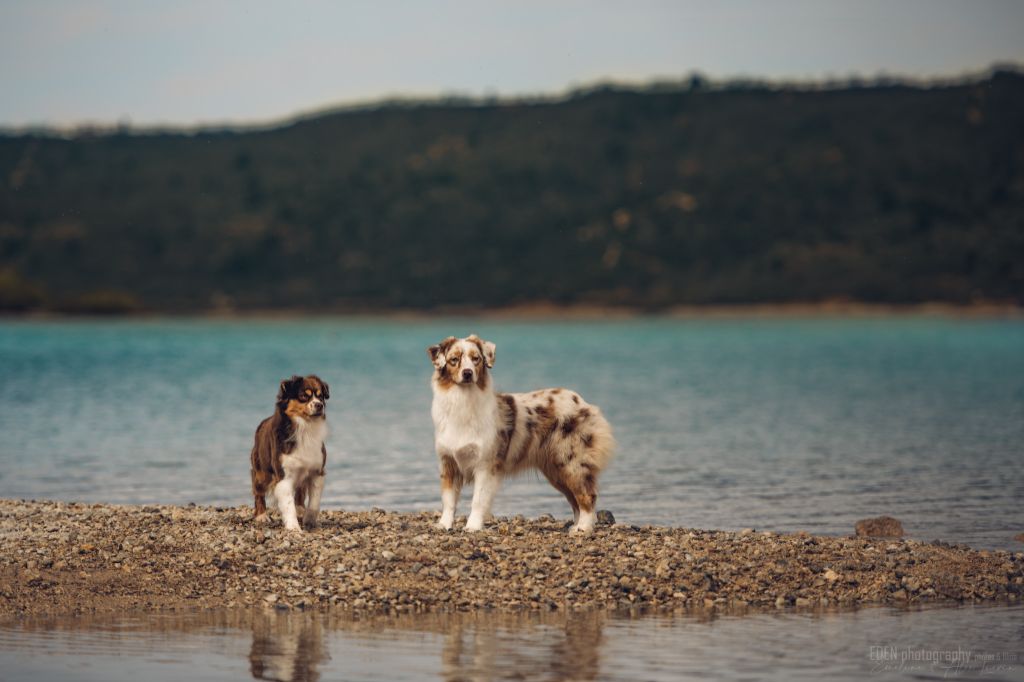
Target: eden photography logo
(945, 662)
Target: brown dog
(289, 455)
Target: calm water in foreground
(772, 424)
(964, 643)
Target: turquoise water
(782, 424)
(966, 643)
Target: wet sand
(68, 558)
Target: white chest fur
(464, 419)
(306, 456)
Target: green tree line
(885, 193)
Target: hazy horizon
(148, 65)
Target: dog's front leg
(485, 485)
(316, 489)
(451, 486)
(284, 491)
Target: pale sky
(188, 62)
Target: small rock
(388, 555)
(879, 527)
(831, 576)
(746, 531)
(605, 518)
(270, 598)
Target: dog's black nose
(467, 374)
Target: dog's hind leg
(583, 484)
(300, 499)
(259, 491)
(556, 481)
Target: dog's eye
(453, 361)
(304, 398)
(476, 359)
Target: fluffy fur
(289, 456)
(482, 436)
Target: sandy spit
(67, 558)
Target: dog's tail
(597, 440)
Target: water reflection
(287, 649)
(478, 649)
(293, 647)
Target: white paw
(581, 529)
(260, 518)
(444, 524)
(473, 525)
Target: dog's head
(462, 362)
(304, 397)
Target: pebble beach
(72, 558)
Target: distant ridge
(692, 81)
(673, 194)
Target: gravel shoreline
(66, 558)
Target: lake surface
(966, 643)
(774, 424)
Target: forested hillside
(885, 193)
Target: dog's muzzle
(467, 376)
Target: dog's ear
(289, 389)
(486, 347)
(437, 352)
